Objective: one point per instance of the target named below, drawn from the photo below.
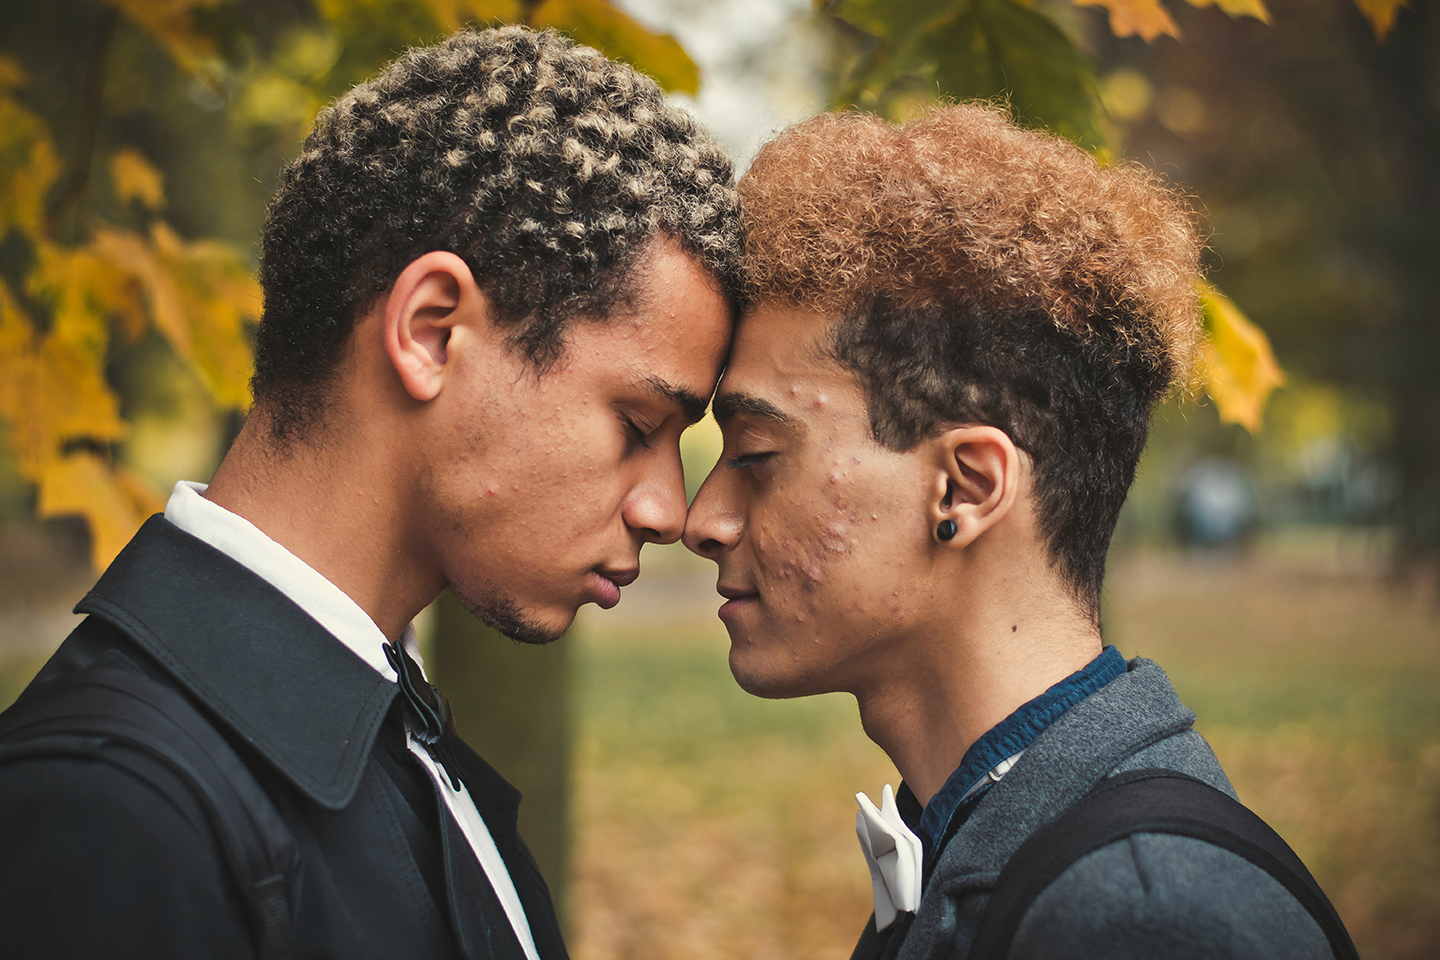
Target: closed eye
(638, 433)
(746, 460)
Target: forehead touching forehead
(782, 372)
(672, 339)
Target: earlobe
(976, 484)
(433, 296)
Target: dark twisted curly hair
(543, 165)
(981, 273)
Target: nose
(712, 527)
(656, 507)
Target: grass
(710, 823)
(714, 825)
(1319, 688)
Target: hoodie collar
(992, 756)
(1087, 743)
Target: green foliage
(971, 49)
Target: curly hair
(982, 273)
(543, 165)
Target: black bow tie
(426, 711)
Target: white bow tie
(893, 855)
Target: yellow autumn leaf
(219, 295)
(52, 391)
(132, 254)
(273, 99)
(1381, 14)
(1236, 361)
(83, 291)
(135, 178)
(148, 501)
(1237, 8)
(172, 24)
(17, 336)
(113, 501)
(307, 52)
(1146, 19)
(29, 164)
(615, 33)
(200, 295)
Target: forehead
(779, 357)
(676, 337)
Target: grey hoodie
(1149, 896)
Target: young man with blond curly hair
(932, 412)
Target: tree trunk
(512, 704)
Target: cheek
(810, 541)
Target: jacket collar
(250, 655)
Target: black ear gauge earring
(946, 530)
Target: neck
(337, 506)
(995, 650)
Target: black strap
(1146, 801)
(87, 713)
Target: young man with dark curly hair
(499, 283)
(932, 414)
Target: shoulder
(105, 860)
(1153, 895)
(108, 851)
(1165, 895)
(1185, 752)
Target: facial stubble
(503, 614)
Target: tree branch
(81, 161)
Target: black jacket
(96, 862)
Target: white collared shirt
(333, 609)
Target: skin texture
(834, 578)
(447, 458)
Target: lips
(736, 599)
(606, 584)
(621, 578)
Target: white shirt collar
(244, 543)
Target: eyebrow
(731, 405)
(691, 404)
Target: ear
(977, 482)
(432, 296)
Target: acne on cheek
(806, 562)
(835, 541)
(792, 563)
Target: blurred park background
(1280, 554)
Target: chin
(770, 680)
(510, 618)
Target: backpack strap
(1146, 801)
(89, 713)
